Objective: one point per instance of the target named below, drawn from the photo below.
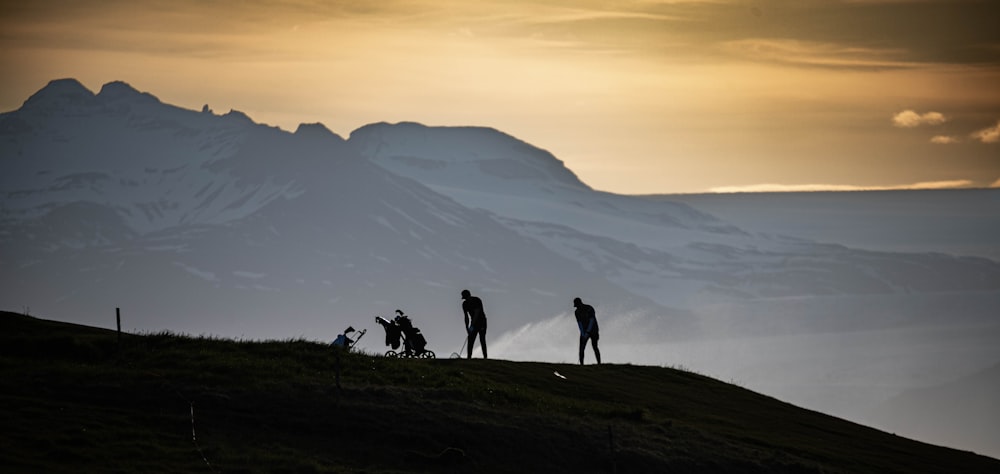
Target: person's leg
(597, 352)
(583, 345)
(482, 341)
(470, 342)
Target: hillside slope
(80, 400)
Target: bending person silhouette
(475, 320)
(586, 319)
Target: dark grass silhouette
(77, 401)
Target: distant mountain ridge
(485, 168)
(452, 151)
(696, 253)
(273, 222)
(964, 222)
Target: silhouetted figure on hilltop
(586, 320)
(475, 321)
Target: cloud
(944, 139)
(910, 119)
(815, 54)
(988, 135)
(785, 188)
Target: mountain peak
(316, 130)
(467, 154)
(59, 92)
(414, 128)
(119, 90)
(237, 115)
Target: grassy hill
(75, 399)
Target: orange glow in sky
(635, 97)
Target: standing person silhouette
(475, 321)
(586, 319)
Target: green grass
(77, 401)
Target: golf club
(458, 355)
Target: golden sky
(634, 96)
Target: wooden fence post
(118, 319)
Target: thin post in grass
(118, 319)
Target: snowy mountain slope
(661, 249)
(497, 162)
(67, 145)
(485, 168)
(225, 226)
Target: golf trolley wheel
(427, 355)
(391, 354)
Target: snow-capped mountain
(148, 161)
(205, 223)
(656, 247)
(462, 206)
(485, 168)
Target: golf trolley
(345, 342)
(401, 329)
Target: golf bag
(401, 329)
(343, 341)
